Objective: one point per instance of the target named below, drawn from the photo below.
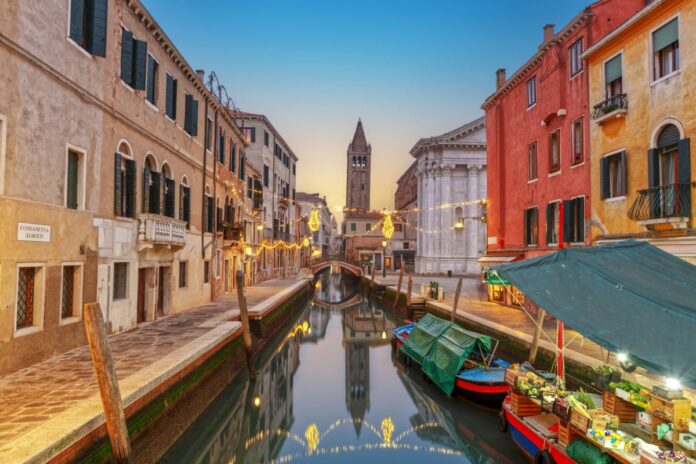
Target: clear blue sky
(410, 69)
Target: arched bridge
(319, 266)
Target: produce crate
(561, 408)
(618, 407)
(566, 433)
(511, 376)
(523, 406)
(579, 421)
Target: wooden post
(398, 287)
(456, 298)
(373, 272)
(244, 316)
(108, 383)
(537, 334)
(409, 289)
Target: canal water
(329, 389)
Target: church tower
(358, 171)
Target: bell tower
(358, 171)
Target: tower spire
(359, 143)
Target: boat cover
(445, 358)
(627, 296)
(422, 337)
(482, 375)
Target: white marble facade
(451, 174)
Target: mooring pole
(537, 334)
(409, 289)
(456, 298)
(373, 272)
(108, 383)
(398, 287)
(244, 316)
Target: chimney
(201, 74)
(548, 32)
(499, 78)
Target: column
(472, 212)
(446, 223)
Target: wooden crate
(523, 406)
(579, 421)
(618, 407)
(566, 433)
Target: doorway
(142, 280)
(163, 300)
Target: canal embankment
(52, 411)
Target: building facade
(451, 170)
(132, 151)
(406, 206)
(642, 82)
(321, 239)
(358, 168)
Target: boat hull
(529, 441)
(489, 394)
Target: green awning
(628, 296)
(666, 35)
(612, 69)
(494, 278)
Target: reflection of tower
(357, 382)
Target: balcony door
(668, 175)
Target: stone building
(643, 120)
(358, 168)
(451, 171)
(133, 155)
(406, 205)
(321, 239)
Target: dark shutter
(131, 179)
(604, 177)
(139, 64)
(151, 79)
(233, 157)
(77, 20)
(549, 223)
(155, 187)
(187, 204)
(218, 218)
(222, 146)
(684, 165)
(653, 167)
(194, 116)
(147, 177)
(624, 174)
(568, 220)
(117, 185)
(205, 215)
(72, 180)
(171, 97)
(209, 215)
(527, 233)
(579, 219)
(127, 57)
(169, 198)
(265, 175)
(96, 20)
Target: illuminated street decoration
(305, 242)
(387, 226)
(387, 430)
(314, 222)
(312, 437)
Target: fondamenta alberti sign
(33, 232)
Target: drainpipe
(205, 174)
(213, 251)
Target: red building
(538, 140)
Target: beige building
(119, 173)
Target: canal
(329, 389)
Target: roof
(456, 138)
(359, 143)
(362, 215)
(629, 297)
(243, 115)
(309, 197)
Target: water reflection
(328, 391)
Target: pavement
(48, 400)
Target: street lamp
(384, 258)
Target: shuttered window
(206, 271)
(242, 166)
(72, 180)
(88, 25)
(666, 58)
(531, 92)
(250, 188)
(208, 215)
(233, 156)
(185, 204)
(221, 145)
(532, 171)
(552, 211)
(575, 57)
(265, 175)
(183, 274)
(531, 226)
(191, 115)
(555, 151)
(133, 60)
(67, 293)
(577, 141)
(208, 134)
(124, 186)
(574, 220)
(169, 198)
(612, 173)
(152, 73)
(613, 73)
(171, 97)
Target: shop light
(672, 384)
(384, 335)
(622, 357)
(257, 401)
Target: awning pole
(560, 362)
(539, 324)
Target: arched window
(124, 181)
(459, 218)
(185, 201)
(169, 186)
(152, 186)
(669, 173)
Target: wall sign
(33, 232)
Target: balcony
(611, 108)
(663, 207)
(257, 202)
(232, 233)
(280, 235)
(155, 229)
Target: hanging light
(387, 226)
(305, 242)
(314, 222)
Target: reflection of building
(318, 318)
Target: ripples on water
(330, 390)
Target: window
(171, 97)
(613, 175)
(575, 58)
(665, 43)
(29, 297)
(531, 92)
(613, 77)
(576, 141)
(169, 186)
(191, 115)
(218, 263)
(555, 151)
(233, 156)
(368, 226)
(185, 203)
(552, 211)
(183, 275)
(293, 169)
(124, 186)
(70, 294)
(153, 184)
(250, 187)
(250, 133)
(242, 166)
(266, 138)
(206, 271)
(152, 73)
(221, 145)
(531, 226)
(74, 196)
(266, 175)
(407, 245)
(120, 281)
(353, 227)
(208, 134)
(574, 220)
(208, 214)
(88, 25)
(398, 227)
(532, 171)
(133, 60)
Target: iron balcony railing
(663, 202)
(617, 102)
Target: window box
(611, 108)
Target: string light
(314, 222)
(387, 226)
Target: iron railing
(617, 102)
(663, 202)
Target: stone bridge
(319, 266)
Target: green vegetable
(585, 399)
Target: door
(142, 279)
(103, 289)
(160, 291)
(668, 180)
(387, 262)
(227, 276)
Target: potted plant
(602, 376)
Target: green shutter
(187, 204)
(684, 162)
(666, 35)
(169, 197)
(612, 69)
(131, 179)
(127, 57)
(139, 64)
(72, 180)
(194, 117)
(568, 220)
(118, 207)
(624, 174)
(77, 20)
(96, 20)
(155, 192)
(653, 168)
(604, 178)
(171, 97)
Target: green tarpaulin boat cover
(422, 337)
(627, 296)
(495, 279)
(446, 356)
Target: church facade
(451, 171)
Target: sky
(409, 69)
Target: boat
(478, 378)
